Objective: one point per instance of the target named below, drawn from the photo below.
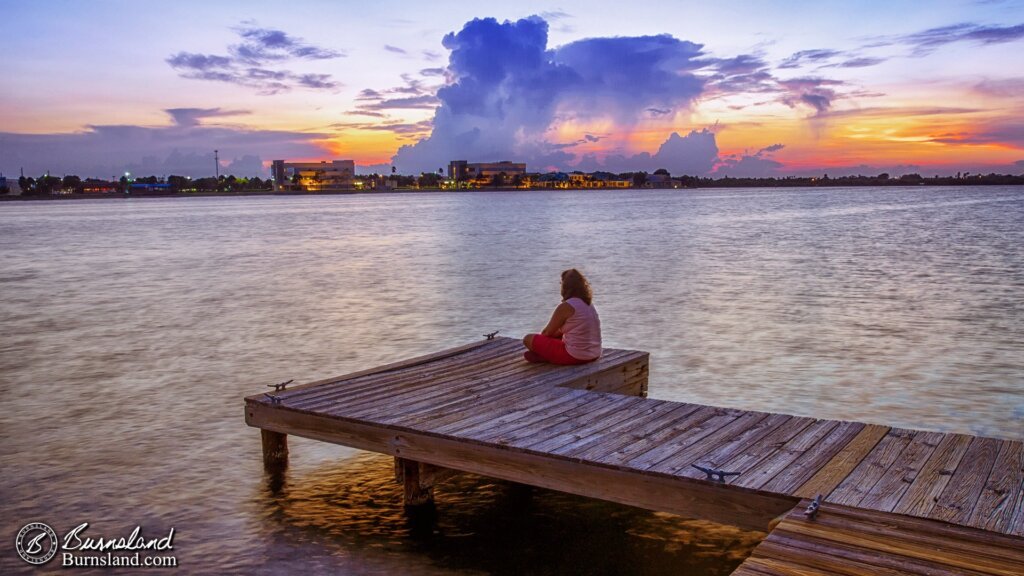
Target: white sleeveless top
(582, 331)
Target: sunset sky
(704, 88)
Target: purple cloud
(802, 57)
(247, 63)
(1008, 132)
(814, 92)
(927, 41)
(760, 164)
(198, 62)
(424, 102)
(192, 116)
(268, 45)
(861, 62)
(184, 148)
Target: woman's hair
(574, 285)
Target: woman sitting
(573, 335)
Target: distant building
(609, 180)
(91, 186)
(457, 170)
(481, 173)
(660, 181)
(149, 188)
(313, 176)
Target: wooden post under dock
(275, 450)
(590, 430)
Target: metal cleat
(715, 475)
(812, 508)
(491, 335)
(281, 386)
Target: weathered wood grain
(714, 456)
(688, 437)
(755, 453)
(995, 507)
(685, 458)
(620, 424)
(844, 540)
(859, 483)
(528, 432)
(957, 501)
(652, 426)
(623, 454)
(920, 498)
(825, 480)
(372, 384)
(886, 493)
(786, 455)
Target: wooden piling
(419, 490)
(275, 449)
(419, 479)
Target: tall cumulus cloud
(508, 91)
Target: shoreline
(120, 195)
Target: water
(133, 328)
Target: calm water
(132, 329)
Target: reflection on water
(133, 328)
(481, 525)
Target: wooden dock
(590, 430)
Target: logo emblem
(36, 543)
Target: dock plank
(653, 427)
(633, 417)
(390, 374)
(998, 499)
(689, 437)
(825, 480)
(620, 456)
(752, 455)
(395, 366)
(844, 540)
(859, 483)
(596, 410)
(957, 501)
(373, 385)
(886, 493)
(475, 408)
(718, 454)
(504, 419)
(550, 422)
(1017, 523)
(920, 498)
(763, 472)
(812, 459)
(435, 395)
(685, 458)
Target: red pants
(547, 349)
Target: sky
(727, 88)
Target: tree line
(72, 184)
(47, 185)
